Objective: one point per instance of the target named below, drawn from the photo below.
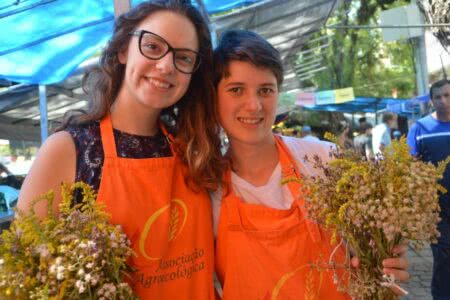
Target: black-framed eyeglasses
(155, 47)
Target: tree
(438, 12)
(358, 58)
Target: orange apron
(170, 226)
(266, 253)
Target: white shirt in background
(381, 135)
(310, 137)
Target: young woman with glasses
(148, 144)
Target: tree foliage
(359, 58)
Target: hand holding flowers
(396, 266)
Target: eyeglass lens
(154, 47)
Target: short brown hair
(387, 117)
(248, 46)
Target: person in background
(307, 135)
(149, 146)
(363, 141)
(297, 131)
(361, 121)
(396, 134)
(381, 134)
(262, 236)
(429, 140)
(344, 135)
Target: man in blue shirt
(429, 139)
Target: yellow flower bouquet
(76, 254)
(371, 206)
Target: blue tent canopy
(363, 104)
(43, 41)
(217, 6)
(47, 42)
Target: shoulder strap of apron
(289, 168)
(231, 201)
(107, 136)
(170, 139)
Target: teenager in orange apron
(149, 66)
(266, 253)
(266, 248)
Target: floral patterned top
(89, 149)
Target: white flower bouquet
(76, 254)
(372, 206)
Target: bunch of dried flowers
(75, 254)
(374, 205)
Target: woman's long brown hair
(196, 131)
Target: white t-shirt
(310, 137)
(381, 134)
(273, 193)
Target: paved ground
(420, 270)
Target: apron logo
(176, 207)
(310, 291)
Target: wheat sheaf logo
(178, 212)
(311, 285)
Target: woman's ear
(122, 56)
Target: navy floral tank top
(89, 149)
